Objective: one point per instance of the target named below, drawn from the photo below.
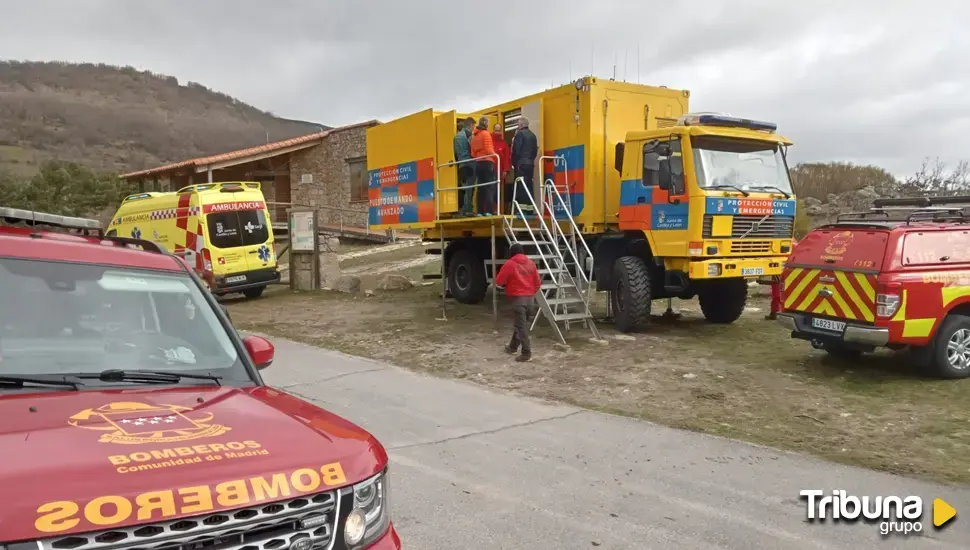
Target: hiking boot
(523, 358)
(510, 350)
(771, 317)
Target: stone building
(326, 170)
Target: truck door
(446, 126)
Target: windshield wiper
(148, 376)
(780, 190)
(726, 186)
(19, 381)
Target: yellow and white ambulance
(222, 229)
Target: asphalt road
(480, 469)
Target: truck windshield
(240, 228)
(60, 318)
(752, 166)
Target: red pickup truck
(135, 417)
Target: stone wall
(330, 165)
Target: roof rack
(30, 217)
(922, 202)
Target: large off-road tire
(951, 348)
(254, 292)
(466, 277)
(722, 300)
(631, 294)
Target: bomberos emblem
(839, 243)
(130, 422)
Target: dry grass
(748, 380)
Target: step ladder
(566, 282)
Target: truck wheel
(952, 348)
(254, 292)
(466, 277)
(722, 301)
(631, 294)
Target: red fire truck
(135, 417)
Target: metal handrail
(581, 269)
(555, 162)
(496, 183)
(545, 228)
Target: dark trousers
(521, 307)
(486, 193)
(466, 177)
(524, 171)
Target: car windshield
(62, 318)
(752, 166)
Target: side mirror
(618, 159)
(260, 350)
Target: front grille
(772, 227)
(750, 247)
(272, 526)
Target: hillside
(117, 119)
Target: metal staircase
(566, 282)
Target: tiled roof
(243, 153)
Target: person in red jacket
(776, 291)
(504, 165)
(520, 277)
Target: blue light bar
(723, 120)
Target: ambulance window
(224, 230)
(252, 224)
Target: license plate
(826, 324)
(236, 279)
(752, 271)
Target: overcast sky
(869, 81)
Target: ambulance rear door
(238, 233)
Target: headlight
(370, 516)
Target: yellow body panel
(180, 222)
(583, 122)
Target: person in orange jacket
(520, 277)
(776, 291)
(504, 153)
(483, 149)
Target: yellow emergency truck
(633, 194)
(223, 229)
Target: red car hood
(94, 460)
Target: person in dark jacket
(466, 171)
(520, 277)
(525, 149)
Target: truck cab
(705, 205)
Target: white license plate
(236, 279)
(825, 324)
(752, 271)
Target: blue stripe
(732, 206)
(631, 190)
(574, 155)
(669, 216)
(425, 190)
(409, 213)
